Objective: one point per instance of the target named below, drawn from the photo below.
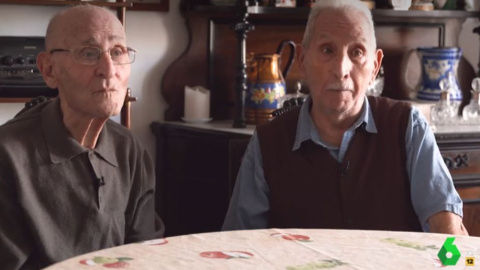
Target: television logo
(449, 247)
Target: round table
(291, 249)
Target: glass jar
(471, 112)
(401, 4)
(443, 112)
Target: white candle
(197, 103)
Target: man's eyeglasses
(91, 55)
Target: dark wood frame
(162, 5)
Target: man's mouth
(339, 86)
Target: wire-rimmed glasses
(90, 55)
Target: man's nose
(106, 67)
(342, 66)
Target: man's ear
(45, 65)
(377, 63)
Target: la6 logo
(448, 246)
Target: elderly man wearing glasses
(71, 180)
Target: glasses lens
(119, 55)
(131, 55)
(87, 55)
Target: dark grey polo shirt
(59, 199)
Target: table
(290, 249)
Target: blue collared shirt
(431, 184)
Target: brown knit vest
(368, 190)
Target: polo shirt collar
(62, 146)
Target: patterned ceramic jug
(266, 84)
(439, 70)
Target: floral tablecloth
(290, 249)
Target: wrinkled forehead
(345, 22)
(95, 34)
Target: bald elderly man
(71, 180)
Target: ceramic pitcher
(439, 72)
(266, 83)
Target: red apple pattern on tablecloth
(292, 237)
(107, 262)
(227, 254)
(437, 263)
(155, 242)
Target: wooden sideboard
(197, 167)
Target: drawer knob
(456, 163)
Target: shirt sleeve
(250, 200)
(142, 221)
(431, 184)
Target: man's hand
(447, 222)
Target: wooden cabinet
(195, 172)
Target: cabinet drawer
(461, 153)
(462, 162)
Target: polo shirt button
(91, 155)
(350, 221)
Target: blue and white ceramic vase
(439, 73)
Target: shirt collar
(306, 129)
(62, 146)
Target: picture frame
(150, 5)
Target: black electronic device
(19, 75)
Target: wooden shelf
(64, 3)
(441, 14)
(14, 100)
(162, 5)
(302, 12)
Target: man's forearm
(448, 223)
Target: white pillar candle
(197, 103)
